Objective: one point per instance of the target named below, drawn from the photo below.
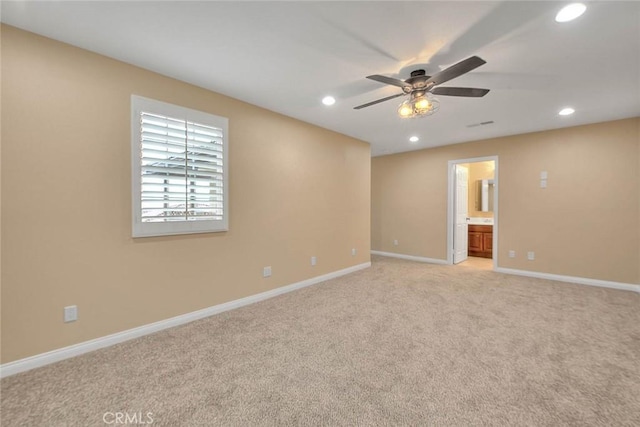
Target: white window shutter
(180, 166)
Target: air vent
(480, 124)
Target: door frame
(451, 205)
(458, 256)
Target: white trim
(57, 355)
(557, 277)
(410, 257)
(572, 279)
(450, 200)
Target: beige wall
(585, 224)
(296, 190)
(477, 171)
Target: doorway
(472, 231)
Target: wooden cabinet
(481, 241)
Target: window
(179, 169)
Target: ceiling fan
(421, 87)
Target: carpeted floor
(400, 343)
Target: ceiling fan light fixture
(405, 110)
(421, 103)
(570, 12)
(418, 106)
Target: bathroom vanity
(480, 240)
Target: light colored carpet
(401, 343)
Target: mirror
(484, 195)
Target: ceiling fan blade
(368, 104)
(456, 70)
(389, 81)
(471, 92)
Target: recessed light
(566, 111)
(328, 100)
(570, 12)
(414, 139)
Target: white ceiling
(286, 56)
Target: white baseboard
(410, 257)
(560, 278)
(571, 279)
(57, 355)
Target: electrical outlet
(71, 313)
(395, 242)
(512, 254)
(266, 272)
(353, 252)
(531, 256)
(314, 260)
